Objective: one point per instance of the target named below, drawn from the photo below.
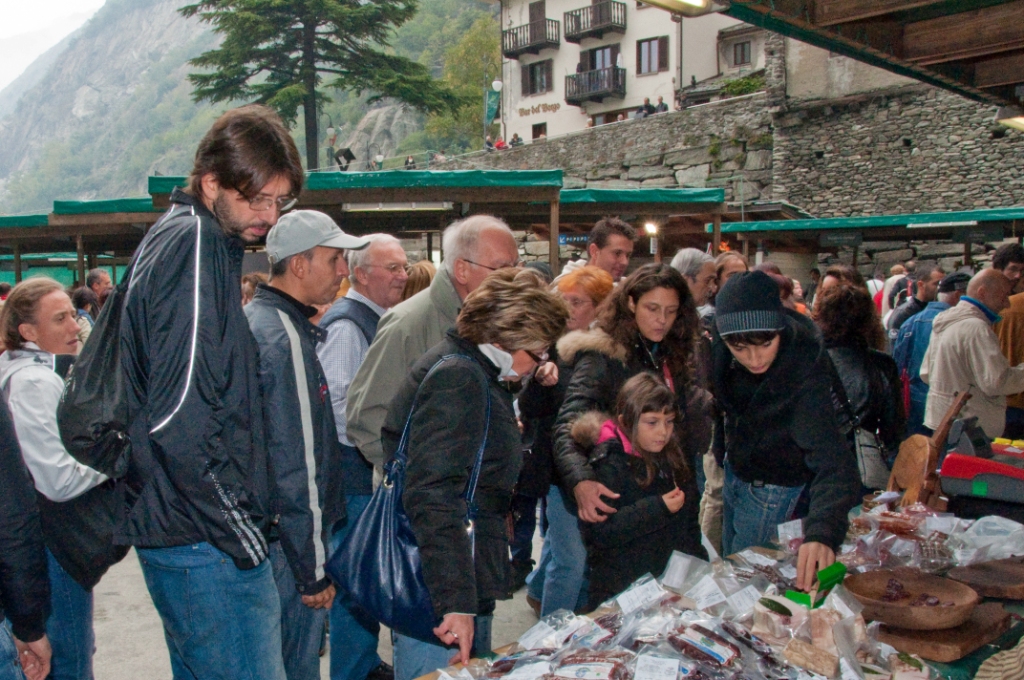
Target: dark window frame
(538, 77)
(661, 50)
(741, 53)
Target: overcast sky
(30, 27)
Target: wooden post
(967, 253)
(856, 250)
(553, 239)
(746, 250)
(430, 246)
(81, 260)
(716, 235)
(17, 263)
(113, 272)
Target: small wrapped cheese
(822, 621)
(804, 655)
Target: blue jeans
(751, 514)
(69, 627)
(559, 581)
(353, 637)
(220, 622)
(414, 658)
(302, 627)
(10, 667)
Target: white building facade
(567, 64)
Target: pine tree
(280, 52)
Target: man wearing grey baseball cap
(306, 251)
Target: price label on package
(706, 593)
(793, 528)
(529, 671)
(533, 638)
(678, 567)
(650, 667)
(743, 600)
(788, 570)
(640, 596)
(757, 558)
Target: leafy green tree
(279, 53)
(470, 66)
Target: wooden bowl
(870, 587)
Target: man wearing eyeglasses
(196, 501)
(378, 277)
(473, 249)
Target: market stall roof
(26, 220)
(972, 47)
(115, 225)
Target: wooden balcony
(595, 86)
(593, 21)
(530, 38)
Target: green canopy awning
(30, 220)
(576, 196)
(938, 220)
(461, 179)
(115, 205)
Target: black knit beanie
(748, 302)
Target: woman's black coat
(447, 428)
(874, 390)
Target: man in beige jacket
(964, 354)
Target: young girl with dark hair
(636, 451)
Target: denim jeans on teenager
(414, 658)
(302, 627)
(559, 581)
(353, 637)
(69, 627)
(751, 514)
(10, 667)
(220, 622)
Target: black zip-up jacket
(24, 582)
(785, 430)
(447, 427)
(538, 409)
(199, 466)
(306, 486)
(641, 536)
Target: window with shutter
(526, 80)
(549, 74)
(652, 55)
(663, 53)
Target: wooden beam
(103, 219)
(81, 259)
(716, 235)
(1006, 70)
(831, 12)
(17, 263)
(966, 35)
(553, 239)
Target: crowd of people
(681, 406)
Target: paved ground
(130, 641)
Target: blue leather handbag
(378, 564)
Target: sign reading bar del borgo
(834, 239)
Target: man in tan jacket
(964, 354)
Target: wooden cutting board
(1001, 578)
(987, 622)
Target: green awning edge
(113, 205)
(682, 196)
(397, 179)
(29, 220)
(938, 218)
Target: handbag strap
(401, 453)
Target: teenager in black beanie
(780, 437)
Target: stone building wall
(714, 145)
(913, 149)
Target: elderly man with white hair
(698, 268)
(377, 274)
(473, 248)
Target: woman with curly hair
(649, 323)
(848, 320)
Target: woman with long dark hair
(649, 324)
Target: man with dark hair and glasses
(196, 501)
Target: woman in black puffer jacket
(503, 331)
(648, 324)
(849, 324)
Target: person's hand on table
(812, 558)
(457, 629)
(34, 657)
(546, 374)
(321, 600)
(588, 500)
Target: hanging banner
(491, 104)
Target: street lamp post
(495, 85)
